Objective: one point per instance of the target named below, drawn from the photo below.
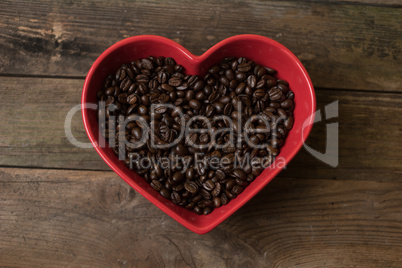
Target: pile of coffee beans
(198, 141)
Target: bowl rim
(195, 58)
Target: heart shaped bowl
(260, 49)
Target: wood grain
(33, 113)
(55, 218)
(352, 46)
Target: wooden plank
(342, 46)
(393, 3)
(369, 131)
(33, 113)
(89, 218)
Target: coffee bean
(110, 91)
(205, 194)
(181, 150)
(224, 80)
(288, 124)
(239, 173)
(131, 99)
(275, 93)
(207, 210)
(283, 82)
(270, 71)
(252, 81)
(191, 186)
(218, 107)
(175, 81)
(282, 87)
(230, 183)
(125, 84)
(175, 197)
(121, 74)
(147, 64)
(156, 185)
(208, 185)
(220, 174)
(195, 104)
(199, 85)
(190, 173)
(237, 189)
(178, 176)
(259, 93)
(286, 104)
(217, 190)
(241, 76)
(244, 67)
(209, 111)
(165, 193)
(224, 199)
(201, 169)
(225, 99)
(200, 95)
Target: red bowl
(260, 49)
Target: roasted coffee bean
(142, 109)
(283, 82)
(224, 199)
(241, 76)
(207, 210)
(286, 104)
(204, 138)
(217, 201)
(217, 190)
(270, 71)
(191, 187)
(282, 87)
(201, 169)
(244, 67)
(160, 109)
(199, 85)
(165, 193)
(288, 124)
(237, 189)
(121, 74)
(220, 174)
(195, 104)
(259, 93)
(224, 80)
(110, 91)
(175, 197)
(125, 84)
(175, 81)
(225, 99)
(205, 194)
(290, 95)
(156, 185)
(240, 88)
(275, 94)
(178, 176)
(230, 183)
(181, 150)
(208, 185)
(252, 81)
(131, 99)
(236, 89)
(239, 173)
(147, 64)
(218, 107)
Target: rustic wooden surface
(62, 206)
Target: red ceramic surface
(260, 49)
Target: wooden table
(62, 206)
